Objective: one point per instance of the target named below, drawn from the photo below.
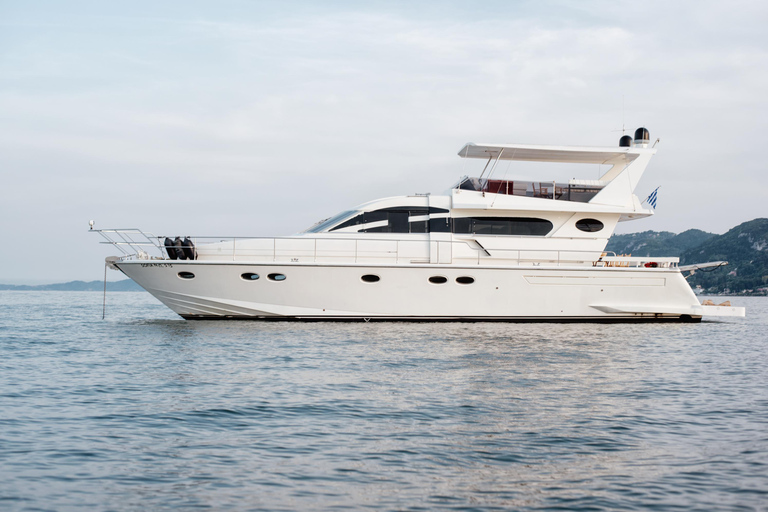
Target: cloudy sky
(257, 118)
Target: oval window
(465, 280)
(589, 225)
(276, 277)
(370, 278)
(249, 276)
(186, 275)
(438, 280)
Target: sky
(258, 118)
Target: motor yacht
(488, 249)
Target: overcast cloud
(260, 118)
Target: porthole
(589, 225)
(276, 277)
(370, 278)
(465, 280)
(438, 280)
(186, 275)
(249, 276)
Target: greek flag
(651, 199)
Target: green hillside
(657, 243)
(745, 247)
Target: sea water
(146, 411)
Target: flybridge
(615, 188)
(580, 191)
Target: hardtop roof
(564, 154)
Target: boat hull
(323, 292)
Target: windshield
(327, 223)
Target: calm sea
(145, 411)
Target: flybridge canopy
(564, 154)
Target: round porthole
(249, 276)
(186, 275)
(438, 280)
(589, 225)
(465, 280)
(276, 277)
(370, 278)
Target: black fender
(189, 249)
(179, 247)
(170, 248)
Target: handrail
(126, 237)
(138, 240)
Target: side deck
(135, 244)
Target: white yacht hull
(404, 292)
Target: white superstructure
(488, 249)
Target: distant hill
(745, 247)
(126, 285)
(657, 243)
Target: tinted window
(370, 278)
(465, 280)
(249, 276)
(399, 219)
(324, 224)
(276, 277)
(186, 275)
(589, 225)
(417, 226)
(438, 280)
(354, 221)
(502, 226)
(440, 225)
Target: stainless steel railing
(133, 242)
(137, 244)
